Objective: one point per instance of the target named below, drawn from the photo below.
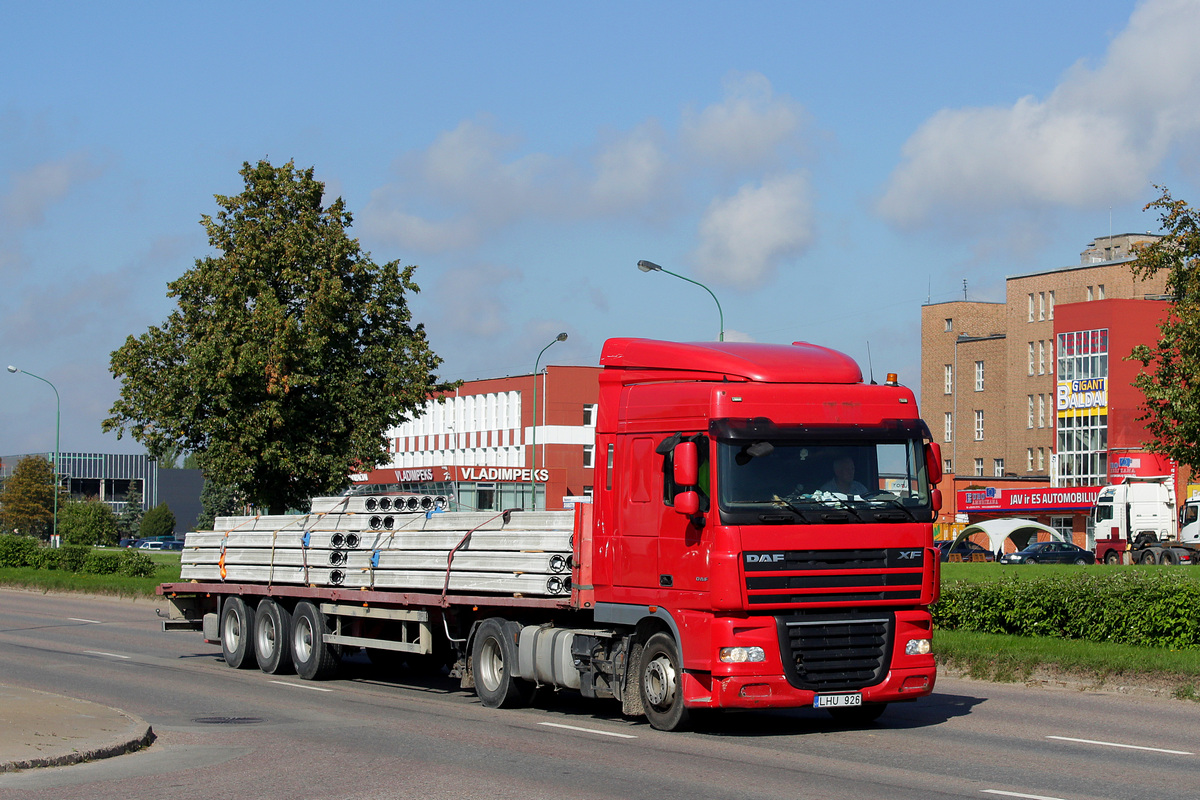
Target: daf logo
(908, 554)
(764, 558)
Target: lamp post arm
(720, 313)
(57, 428)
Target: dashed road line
(303, 686)
(588, 730)
(1125, 746)
(1018, 794)
(110, 655)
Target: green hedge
(24, 551)
(1148, 608)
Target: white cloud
(32, 192)
(1095, 140)
(743, 237)
(748, 129)
(473, 181)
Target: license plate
(837, 700)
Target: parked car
(127, 542)
(174, 544)
(151, 546)
(1050, 553)
(965, 548)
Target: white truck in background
(1139, 516)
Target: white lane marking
(302, 686)
(110, 655)
(1018, 794)
(89, 621)
(1126, 746)
(588, 730)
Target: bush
(1147, 608)
(101, 562)
(135, 564)
(72, 557)
(87, 522)
(158, 521)
(18, 551)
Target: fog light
(756, 690)
(738, 655)
(918, 647)
(915, 683)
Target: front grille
(825, 577)
(834, 652)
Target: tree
(131, 516)
(289, 354)
(27, 502)
(159, 521)
(87, 522)
(1170, 378)
(216, 500)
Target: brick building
(476, 445)
(1034, 391)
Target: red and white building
(477, 445)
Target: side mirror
(933, 463)
(687, 503)
(935, 499)
(686, 465)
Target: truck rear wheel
(314, 659)
(237, 633)
(1168, 557)
(493, 658)
(660, 681)
(1112, 557)
(1148, 558)
(273, 638)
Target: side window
(1190, 514)
(667, 450)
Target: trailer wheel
(314, 659)
(273, 638)
(660, 681)
(237, 633)
(493, 658)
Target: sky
(823, 168)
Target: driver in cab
(843, 482)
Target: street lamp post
(650, 266)
(562, 337)
(57, 420)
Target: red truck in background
(760, 536)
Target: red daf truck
(760, 537)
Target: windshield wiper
(783, 503)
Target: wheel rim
(491, 664)
(303, 639)
(233, 631)
(660, 682)
(266, 634)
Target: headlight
(738, 655)
(918, 647)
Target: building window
(1041, 410)
(1050, 303)
(1041, 305)
(589, 455)
(1081, 432)
(1100, 291)
(979, 467)
(948, 434)
(1031, 306)
(998, 467)
(949, 324)
(1031, 358)
(1041, 459)
(1090, 294)
(979, 376)
(1029, 423)
(949, 376)
(589, 415)
(1063, 525)
(979, 424)
(1029, 459)
(947, 466)
(1042, 357)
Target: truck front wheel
(1112, 557)
(493, 659)
(237, 633)
(660, 681)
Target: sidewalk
(47, 730)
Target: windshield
(858, 475)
